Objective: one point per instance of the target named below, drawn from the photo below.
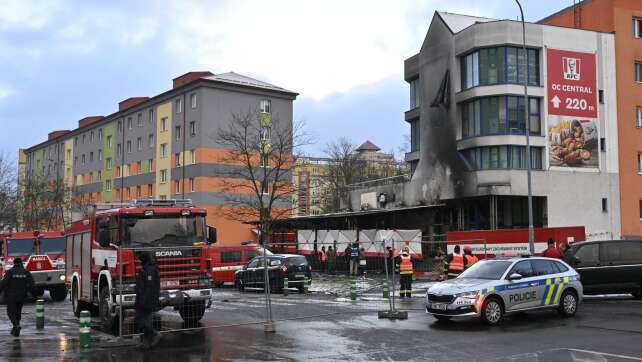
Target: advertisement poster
(572, 132)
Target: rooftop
(368, 146)
(459, 22)
(239, 79)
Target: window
(100, 175)
(600, 96)
(118, 174)
(604, 205)
(150, 164)
(150, 190)
(192, 188)
(499, 65)
(138, 191)
(501, 157)
(192, 157)
(150, 115)
(415, 135)
(177, 157)
(414, 93)
(150, 140)
(543, 267)
(139, 121)
(637, 28)
(100, 155)
(83, 159)
(603, 144)
(588, 254)
(129, 146)
(118, 150)
(192, 128)
(192, 100)
(91, 137)
(499, 115)
(91, 156)
(100, 134)
(120, 126)
(127, 171)
(638, 118)
(139, 167)
(622, 252)
(129, 123)
(83, 139)
(640, 163)
(523, 268)
(177, 186)
(179, 105)
(163, 124)
(76, 141)
(638, 73)
(163, 176)
(265, 106)
(163, 149)
(177, 132)
(109, 141)
(76, 161)
(139, 143)
(163, 197)
(107, 185)
(230, 256)
(68, 155)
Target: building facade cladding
(138, 149)
(620, 18)
(442, 170)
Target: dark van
(608, 266)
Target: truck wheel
(492, 311)
(58, 293)
(192, 312)
(568, 304)
(109, 323)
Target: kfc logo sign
(571, 68)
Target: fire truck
(43, 255)
(103, 251)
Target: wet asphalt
(326, 327)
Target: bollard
(85, 329)
(353, 290)
(306, 285)
(285, 287)
(40, 314)
(386, 291)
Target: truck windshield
(20, 247)
(161, 230)
(52, 245)
(486, 269)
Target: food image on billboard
(572, 142)
(572, 132)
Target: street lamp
(531, 229)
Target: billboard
(572, 132)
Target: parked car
(280, 266)
(226, 260)
(608, 266)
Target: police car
(491, 288)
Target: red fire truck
(103, 251)
(43, 255)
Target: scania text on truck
(103, 251)
(43, 255)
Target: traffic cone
(85, 329)
(40, 314)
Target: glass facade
(499, 115)
(499, 65)
(414, 94)
(414, 135)
(501, 157)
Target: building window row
(414, 94)
(502, 157)
(415, 132)
(499, 115)
(499, 65)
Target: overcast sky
(63, 60)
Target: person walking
(456, 263)
(354, 259)
(405, 267)
(147, 295)
(323, 258)
(469, 257)
(332, 259)
(390, 255)
(346, 258)
(552, 251)
(16, 284)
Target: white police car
(491, 288)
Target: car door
(621, 261)
(586, 261)
(249, 272)
(522, 293)
(549, 282)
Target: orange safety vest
(405, 267)
(457, 263)
(323, 256)
(470, 260)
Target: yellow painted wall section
(164, 111)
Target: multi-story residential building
(468, 126)
(163, 147)
(310, 184)
(622, 18)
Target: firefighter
(469, 257)
(147, 295)
(17, 282)
(404, 265)
(456, 263)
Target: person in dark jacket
(147, 295)
(346, 257)
(17, 282)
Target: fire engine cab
(42, 253)
(103, 251)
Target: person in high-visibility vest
(456, 263)
(404, 265)
(469, 257)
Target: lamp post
(531, 229)
(264, 144)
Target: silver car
(491, 288)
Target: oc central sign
(571, 85)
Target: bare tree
(344, 168)
(8, 192)
(41, 201)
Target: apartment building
(165, 146)
(622, 18)
(468, 126)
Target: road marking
(633, 358)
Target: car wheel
(492, 311)
(108, 322)
(442, 318)
(192, 312)
(568, 304)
